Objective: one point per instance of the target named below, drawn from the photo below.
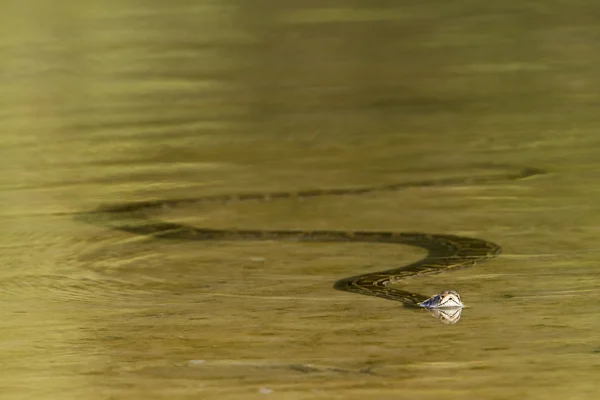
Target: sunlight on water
(112, 103)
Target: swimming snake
(445, 252)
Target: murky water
(128, 101)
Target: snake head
(446, 299)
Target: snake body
(445, 252)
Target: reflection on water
(446, 315)
(119, 102)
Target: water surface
(131, 101)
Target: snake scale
(444, 252)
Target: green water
(127, 101)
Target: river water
(114, 102)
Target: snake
(445, 252)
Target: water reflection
(449, 315)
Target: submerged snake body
(445, 252)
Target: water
(129, 101)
